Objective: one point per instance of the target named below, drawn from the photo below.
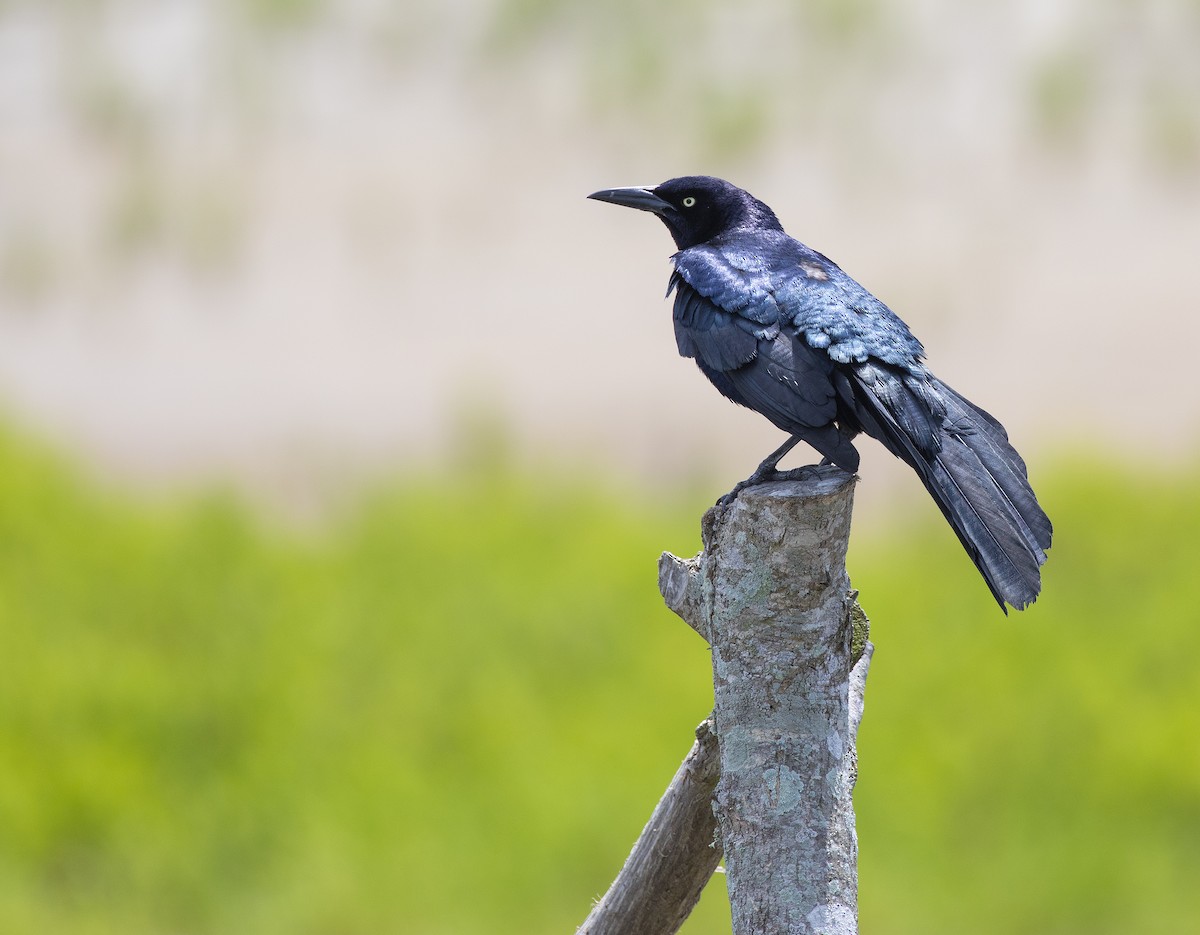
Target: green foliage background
(451, 710)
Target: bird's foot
(728, 498)
(765, 474)
(807, 472)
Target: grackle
(780, 329)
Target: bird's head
(696, 208)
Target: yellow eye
(689, 201)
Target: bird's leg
(767, 467)
(767, 471)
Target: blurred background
(341, 435)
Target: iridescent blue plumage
(781, 329)
(773, 279)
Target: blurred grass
(452, 710)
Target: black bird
(780, 329)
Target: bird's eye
(689, 201)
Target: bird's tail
(978, 480)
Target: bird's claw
(726, 499)
(762, 476)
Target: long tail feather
(965, 461)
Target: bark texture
(790, 656)
(673, 858)
(780, 625)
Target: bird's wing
(728, 319)
(841, 317)
(718, 337)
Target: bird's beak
(638, 197)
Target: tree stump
(790, 656)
